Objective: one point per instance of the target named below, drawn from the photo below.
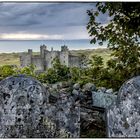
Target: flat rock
(103, 100)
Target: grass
(13, 58)
(9, 59)
(105, 53)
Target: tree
(96, 61)
(123, 26)
(29, 70)
(121, 33)
(61, 71)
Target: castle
(44, 60)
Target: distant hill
(13, 58)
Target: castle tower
(42, 50)
(64, 55)
(64, 48)
(30, 52)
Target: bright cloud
(26, 36)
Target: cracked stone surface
(103, 100)
(123, 118)
(25, 111)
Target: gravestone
(123, 118)
(25, 111)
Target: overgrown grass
(9, 59)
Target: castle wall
(49, 57)
(64, 58)
(74, 61)
(37, 61)
(25, 60)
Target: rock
(76, 86)
(91, 122)
(75, 92)
(89, 87)
(78, 95)
(115, 93)
(102, 89)
(66, 84)
(110, 91)
(52, 99)
(124, 116)
(103, 100)
(56, 85)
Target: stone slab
(123, 118)
(103, 100)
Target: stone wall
(64, 58)
(38, 62)
(25, 59)
(74, 61)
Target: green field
(13, 58)
(105, 53)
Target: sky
(42, 21)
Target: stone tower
(43, 48)
(64, 55)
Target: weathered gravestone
(25, 111)
(123, 118)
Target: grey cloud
(44, 18)
(49, 15)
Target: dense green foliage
(121, 32)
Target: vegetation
(95, 73)
(122, 34)
(9, 59)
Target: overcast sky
(25, 21)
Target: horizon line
(39, 39)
